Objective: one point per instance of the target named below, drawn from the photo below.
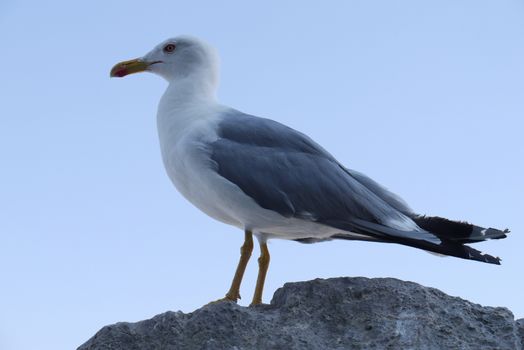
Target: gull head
(175, 59)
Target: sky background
(425, 97)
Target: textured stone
(520, 327)
(338, 313)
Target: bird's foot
(256, 303)
(227, 299)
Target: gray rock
(337, 313)
(520, 326)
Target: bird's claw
(222, 300)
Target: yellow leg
(245, 254)
(263, 264)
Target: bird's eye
(169, 48)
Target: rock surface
(338, 313)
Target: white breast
(185, 133)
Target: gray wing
(285, 171)
(383, 193)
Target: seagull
(272, 181)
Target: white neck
(185, 97)
(184, 102)
(194, 88)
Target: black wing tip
(491, 233)
(473, 254)
(458, 231)
(495, 260)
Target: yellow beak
(128, 67)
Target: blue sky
(425, 97)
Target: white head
(175, 60)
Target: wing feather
(285, 171)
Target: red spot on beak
(120, 72)
(128, 67)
